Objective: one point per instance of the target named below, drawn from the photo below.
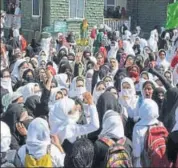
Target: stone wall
(147, 13)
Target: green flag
(172, 16)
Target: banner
(172, 16)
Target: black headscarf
(159, 101)
(12, 116)
(31, 103)
(106, 102)
(118, 78)
(104, 70)
(82, 154)
(27, 78)
(64, 66)
(170, 105)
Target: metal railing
(12, 21)
(115, 24)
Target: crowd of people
(112, 104)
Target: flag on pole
(172, 16)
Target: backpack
(154, 154)
(23, 43)
(44, 161)
(117, 155)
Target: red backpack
(154, 154)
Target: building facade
(38, 14)
(148, 13)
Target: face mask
(99, 93)
(75, 117)
(38, 94)
(126, 92)
(109, 84)
(80, 91)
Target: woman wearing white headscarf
(8, 157)
(17, 72)
(63, 119)
(153, 40)
(161, 60)
(128, 98)
(30, 89)
(98, 90)
(112, 128)
(77, 87)
(172, 143)
(55, 95)
(175, 75)
(127, 46)
(38, 140)
(148, 114)
(62, 80)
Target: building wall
(148, 13)
(31, 26)
(58, 10)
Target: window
(35, 8)
(109, 4)
(77, 8)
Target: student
(38, 146)
(148, 114)
(81, 155)
(65, 114)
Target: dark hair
(82, 154)
(149, 82)
(49, 63)
(2, 72)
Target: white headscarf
(131, 99)
(128, 48)
(152, 42)
(38, 138)
(28, 90)
(163, 63)
(61, 79)
(15, 71)
(5, 137)
(97, 94)
(148, 112)
(112, 126)
(43, 58)
(175, 75)
(113, 50)
(59, 119)
(176, 125)
(52, 99)
(74, 91)
(88, 83)
(6, 83)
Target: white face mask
(99, 93)
(109, 84)
(80, 91)
(126, 92)
(38, 94)
(75, 117)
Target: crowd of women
(111, 107)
